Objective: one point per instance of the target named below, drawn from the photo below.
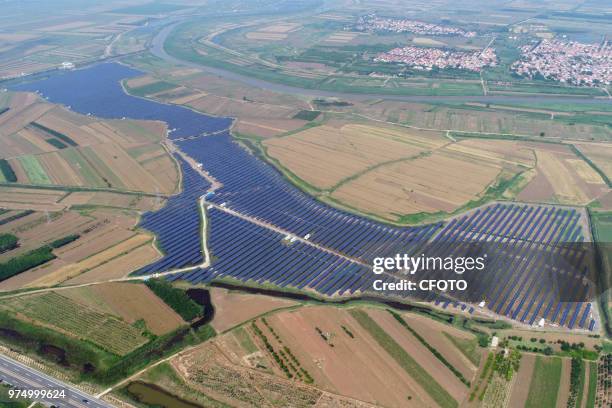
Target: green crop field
(36, 174)
(245, 340)
(545, 383)
(107, 331)
(77, 161)
(592, 367)
(468, 348)
(152, 88)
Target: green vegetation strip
(599, 171)
(55, 133)
(576, 391)
(34, 170)
(8, 242)
(307, 115)
(467, 347)
(429, 384)
(590, 402)
(176, 298)
(29, 260)
(58, 243)
(433, 351)
(22, 263)
(56, 143)
(152, 88)
(14, 217)
(7, 171)
(545, 383)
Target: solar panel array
(97, 90)
(250, 252)
(177, 226)
(256, 189)
(519, 289)
(245, 250)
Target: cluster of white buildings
(373, 23)
(567, 62)
(427, 59)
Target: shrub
(64, 241)
(8, 242)
(7, 171)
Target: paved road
(157, 49)
(24, 377)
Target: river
(157, 49)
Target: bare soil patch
(520, 389)
(231, 309)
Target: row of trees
(176, 298)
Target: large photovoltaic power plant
(262, 229)
(177, 226)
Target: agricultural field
(48, 36)
(44, 144)
(343, 357)
(563, 177)
(316, 355)
(95, 245)
(327, 155)
(63, 314)
(392, 172)
(601, 156)
(132, 302)
(232, 309)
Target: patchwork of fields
(396, 173)
(44, 144)
(100, 245)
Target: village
(426, 59)
(567, 62)
(372, 22)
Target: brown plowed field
(217, 105)
(107, 247)
(562, 177)
(119, 267)
(432, 331)
(600, 154)
(70, 271)
(27, 198)
(421, 355)
(232, 308)
(565, 383)
(118, 200)
(99, 158)
(136, 301)
(520, 389)
(267, 127)
(357, 367)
